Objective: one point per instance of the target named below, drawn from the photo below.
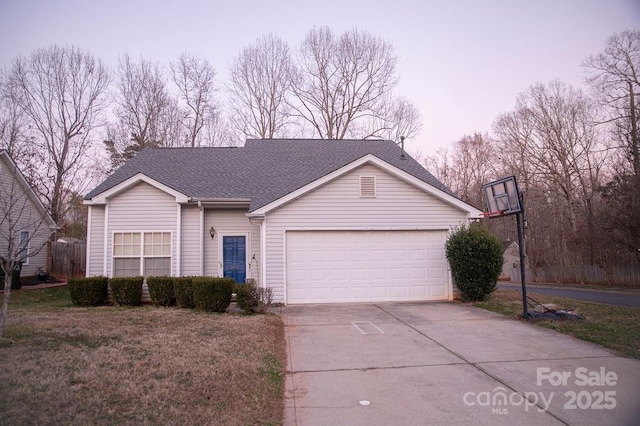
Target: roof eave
(103, 197)
(222, 202)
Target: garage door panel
(378, 255)
(436, 254)
(379, 274)
(437, 291)
(396, 274)
(418, 291)
(359, 255)
(379, 292)
(418, 273)
(341, 266)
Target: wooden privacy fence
(582, 274)
(67, 260)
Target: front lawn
(614, 327)
(61, 364)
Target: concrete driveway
(447, 363)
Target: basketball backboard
(502, 197)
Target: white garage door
(365, 266)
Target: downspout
(88, 250)
(105, 245)
(178, 271)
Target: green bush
(90, 291)
(475, 257)
(161, 291)
(126, 291)
(183, 290)
(253, 299)
(212, 294)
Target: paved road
(610, 297)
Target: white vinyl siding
(28, 220)
(191, 240)
(95, 242)
(142, 208)
(230, 222)
(338, 206)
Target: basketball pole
(520, 224)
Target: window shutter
(367, 186)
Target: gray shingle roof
(262, 171)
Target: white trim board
(133, 180)
(471, 211)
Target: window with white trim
(141, 253)
(367, 186)
(23, 253)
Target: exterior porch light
(212, 232)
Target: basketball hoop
(502, 197)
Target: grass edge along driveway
(614, 327)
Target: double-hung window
(141, 253)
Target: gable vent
(367, 186)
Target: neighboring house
(511, 259)
(511, 266)
(24, 221)
(316, 221)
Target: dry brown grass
(69, 365)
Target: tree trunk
(5, 301)
(634, 133)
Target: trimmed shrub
(253, 299)
(161, 291)
(183, 290)
(475, 257)
(90, 291)
(212, 294)
(126, 291)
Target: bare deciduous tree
(261, 76)
(194, 78)
(551, 140)
(61, 92)
(343, 81)
(147, 115)
(219, 132)
(614, 74)
(466, 167)
(396, 117)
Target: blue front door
(234, 258)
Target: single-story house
(317, 221)
(25, 224)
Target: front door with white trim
(234, 257)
